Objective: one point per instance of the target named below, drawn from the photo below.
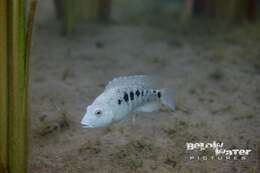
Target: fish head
(97, 115)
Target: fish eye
(98, 113)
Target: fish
(125, 95)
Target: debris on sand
(226, 108)
(216, 75)
(99, 44)
(134, 153)
(170, 160)
(50, 127)
(244, 117)
(91, 147)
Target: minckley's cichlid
(124, 95)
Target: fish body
(123, 95)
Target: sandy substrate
(216, 77)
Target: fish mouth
(86, 126)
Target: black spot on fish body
(142, 93)
(126, 97)
(131, 95)
(154, 91)
(119, 101)
(159, 94)
(137, 93)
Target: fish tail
(168, 98)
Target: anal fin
(149, 107)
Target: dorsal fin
(136, 80)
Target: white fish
(124, 95)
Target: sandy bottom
(215, 74)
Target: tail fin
(168, 98)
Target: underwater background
(213, 64)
